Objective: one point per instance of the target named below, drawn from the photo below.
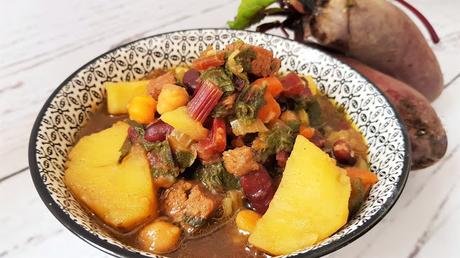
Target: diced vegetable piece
(157, 131)
(258, 189)
(155, 85)
(206, 98)
(181, 121)
(216, 178)
(242, 127)
(246, 220)
(366, 176)
(159, 237)
(274, 86)
(119, 94)
(270, 111)
(142, 109)
(294, 86)
(171, 97)
(206, 62)
(210, 148)
(311, 202)
(307, 132)
(106, 187)
(180, 139)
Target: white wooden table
(44, 41)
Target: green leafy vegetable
(236, 66)
(245, 57)
(249, 12)
(216, 178)
(220, 78)
(161, 161)
(249, 102)
(280, 138)
(125, 148)
(184, 159)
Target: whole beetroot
(427, 136)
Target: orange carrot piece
(366, 176)
(307, 132)
(271, 110)
(274, 86)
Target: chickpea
(142, 109)
(159, 237)
(171, 97)
(246, 220)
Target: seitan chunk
(189, 204)
(240, 161)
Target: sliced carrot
(274, 86)
(307, 132)
(204, 63)
(366, 176)
(271, 110)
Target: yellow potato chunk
(119, 94)
(121, 194)
(159, 237)
(171, 97)
(184, 123)
(310, 204)
(101, 148)
(246, 220)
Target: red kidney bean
(258, 189)
(343, 153)
(191, 80)
(157, 131)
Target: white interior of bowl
(84, 93)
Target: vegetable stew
(202, 160)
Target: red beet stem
(206, 98)
(422, 18)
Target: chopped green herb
(220, 78)
(249, 102)
(216, 178)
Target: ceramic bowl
(69, 106)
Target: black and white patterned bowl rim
(68, 108)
